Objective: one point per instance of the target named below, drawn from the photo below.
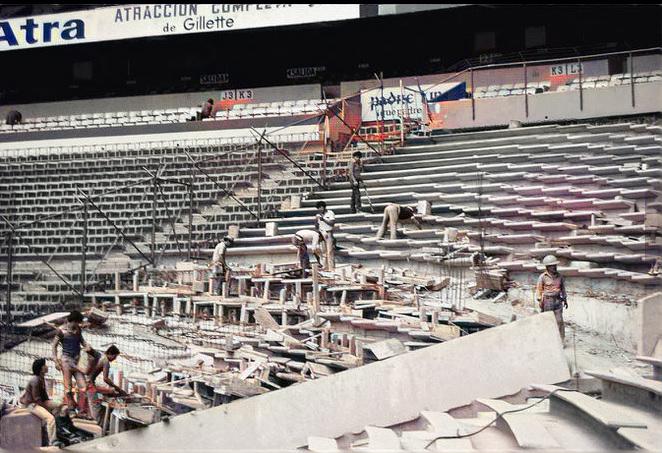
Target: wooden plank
(264, 318)
(44, 319)
(385, 349)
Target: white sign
(565, 69)
(393, 103)
(143, 20)
(237, 95)
(214, 79)
(304, 73)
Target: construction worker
(311, 237)
(219, 267)
(550, 291)
(324, 222)
(302, 253)
(35, 399)
(71, 338)
(354, 173)
(99, 363)
(394, 212)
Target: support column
(83, 259)
(10, 266)
(316, 288)
(153, 238)
(190, 212)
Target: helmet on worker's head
(550, 260)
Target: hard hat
(550, 260)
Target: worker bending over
(324, 223)
(550, 292)
(302, 253)
(71, 338)
(312, 238)
(100, 363)
(219, 267)
(394, 212)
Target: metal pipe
(632, 78)
(581, 87)
(83, 259)
(473, 95)
(526, 91)
(154, 206)
(10, 265)
(259, 183)
(190, 212)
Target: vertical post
(316, 288)
(10, 265)
(473, 95)
(259, 183)
(83, 259)
(324, 163)
(153, 241)
(581, 88)
(632, 78)
(526, 92)
(402, 115)
(381, 131)
(190, 211)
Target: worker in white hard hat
(550, 291)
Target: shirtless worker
(394, 213)
(100, 363)
(302, 253)
(71, 338)
(550, 291)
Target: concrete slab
(650, 319)
(528, 432)
(503, 360)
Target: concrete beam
(489, 364)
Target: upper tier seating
(167, 116)
(581, 192)
(587, 82)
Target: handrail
(549, 60)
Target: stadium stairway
(587, 193)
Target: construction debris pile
(269, 328)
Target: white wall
(554, 106)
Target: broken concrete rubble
(504, 359)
